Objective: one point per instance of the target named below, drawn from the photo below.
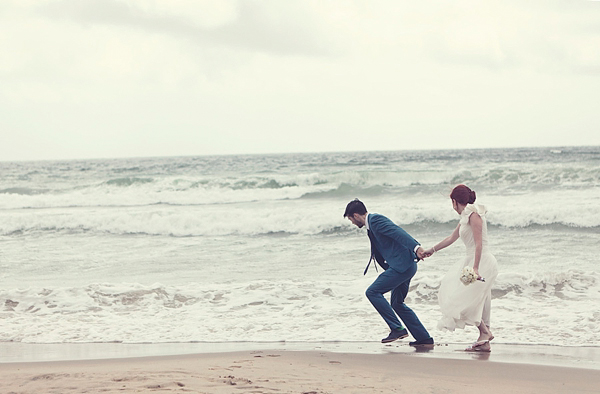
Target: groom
(397, 253)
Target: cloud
(245, 25)
(166, 77)
(536, 36)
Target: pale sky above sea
(129, 78)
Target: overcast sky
(126, 78)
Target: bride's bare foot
(480, 346)
(484, 333)
(489, 332)
(485, 337)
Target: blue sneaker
(395, 334)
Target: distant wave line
(79, 228)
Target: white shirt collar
(367, 221)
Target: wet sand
(395, 368)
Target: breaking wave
(270, 311)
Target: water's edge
(587, 357)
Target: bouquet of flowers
(468, 276)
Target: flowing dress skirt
(463, 304)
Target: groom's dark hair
(355, 206)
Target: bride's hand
(479, 277)
(425, 253)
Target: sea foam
(264, 310)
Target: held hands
(429, 252)
(423, 254)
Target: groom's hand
(421, 254)
(429, 252)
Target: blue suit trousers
(398, 283)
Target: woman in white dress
(470, 304)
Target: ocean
(255, 248)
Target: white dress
(464, 304)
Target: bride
(468, 304)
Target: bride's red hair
(463, 195)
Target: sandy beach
(290, 371)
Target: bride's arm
(477, 226)
(449, 240)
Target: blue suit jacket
(393, 243)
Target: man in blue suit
(397, 253)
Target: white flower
(468, 276)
